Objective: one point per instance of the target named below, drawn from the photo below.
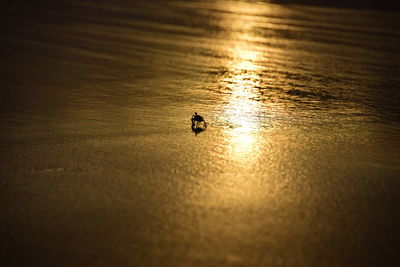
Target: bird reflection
(198, 130)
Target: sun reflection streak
(241, 82)
(243, 112)
(243, 106)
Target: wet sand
(298, 166)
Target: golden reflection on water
(242, 107)
(243, 113)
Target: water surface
(298, 166)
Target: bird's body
(198, 122)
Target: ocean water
(298, 166)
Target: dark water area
(355, 4)
(298, 164)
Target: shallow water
(298, 165)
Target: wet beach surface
(298, 166)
